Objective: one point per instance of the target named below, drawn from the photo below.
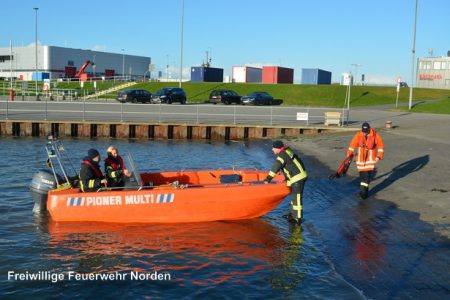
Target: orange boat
(167, 197)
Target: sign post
(399, 79)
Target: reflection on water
(345, 249)
(196, 246)
(252, 258)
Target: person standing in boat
(296, 175)
(115, 168)
(91, 177)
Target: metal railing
(164, 113)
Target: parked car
(257, 98)
(224, 96)
(403, 84)
(134, 96)
(169, 95)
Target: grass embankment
(88, 86)
(435, 107)
(304, 95)
(291, 94)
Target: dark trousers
(297, 199)
(364, 184)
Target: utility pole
(181, 48)
(11, 91)
(413, 60)
(356, 72)
(123, 63)
(167, 68)
(36, 54)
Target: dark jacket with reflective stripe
(89, 179)
(291, 165)
(113, 175)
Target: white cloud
(174, 72)
(33, 44)
(260, 65)
(101, 48)
(381, 79)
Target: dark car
(169, 95)
(134, 96)
(403, 84)
(224, 96)
(257, 98)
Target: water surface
(344, 249)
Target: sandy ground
(415, 171)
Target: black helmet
(93, 153)
(277, 144)
(365, 127)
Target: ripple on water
(253, 258)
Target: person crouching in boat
(91, 178)
(115, 168)
(296, 175)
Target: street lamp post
(93, 67)
(181, 48)
(356, 72)
(36, 54)
(123, 62)
(412, 60)
(167, 68)
(11, 91)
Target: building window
(437, 65)
(443, 65)
(447, 82)
(70, 63)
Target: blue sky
(326, 34)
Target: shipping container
(274, 74)
(206, 74)
(110, 73)
(40, 76)
(70, 72)
(316, 76)
(247, 74)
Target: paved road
(190, 113)
(213, 114)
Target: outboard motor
(43, 181)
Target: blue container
(40, 76)
(206, 74)
(316, 76)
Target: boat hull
(199, 202)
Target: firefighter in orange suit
(370, 150)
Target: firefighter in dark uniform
(115, 169)
(296, 175)
(91, 178)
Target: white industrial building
(59, 62)
(433, 72)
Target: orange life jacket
(369, 148)
(369, 143)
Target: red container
(70, 72)
(274, 74)
(109, 73)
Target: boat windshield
(135, 178)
